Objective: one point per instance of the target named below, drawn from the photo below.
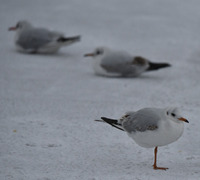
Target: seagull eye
(98, 52)
(167, 113)
(173, 114)
(17, 26)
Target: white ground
(48, 103)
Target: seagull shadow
(141, 77)
(59, 55)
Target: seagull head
(173, 114)
(98, 52)
(21, 25)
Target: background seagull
(151, 127)
(39, 40)
(118, 63)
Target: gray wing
(35, 38)
(119, 63)
(142, 120)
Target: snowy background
(48, 103)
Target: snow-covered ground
(48, 103)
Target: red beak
(89, 54)
(183, 119)
(12, 29)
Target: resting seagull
(112, 63)
(29, 39)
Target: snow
(48, 103)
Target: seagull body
(112, 63)
(39, 40)
(151, 127)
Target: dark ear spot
(167, 113)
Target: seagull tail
(112, 122)
(69, 40)
(155, 66)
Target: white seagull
(39, 40)
(112, 63)
(151, 127)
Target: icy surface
(48, 103)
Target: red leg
(155, 161)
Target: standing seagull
(39, 40)
(118, 63)
(151, 127)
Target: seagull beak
(183, 119)
(89, 54)
(12, 29)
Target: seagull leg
(155, 161)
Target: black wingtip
(72, 39)
(108, 120)
(156, 66)
(112, 122)
(98, 120)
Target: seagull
(151, 127)
(29, 39)
(112, 63)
